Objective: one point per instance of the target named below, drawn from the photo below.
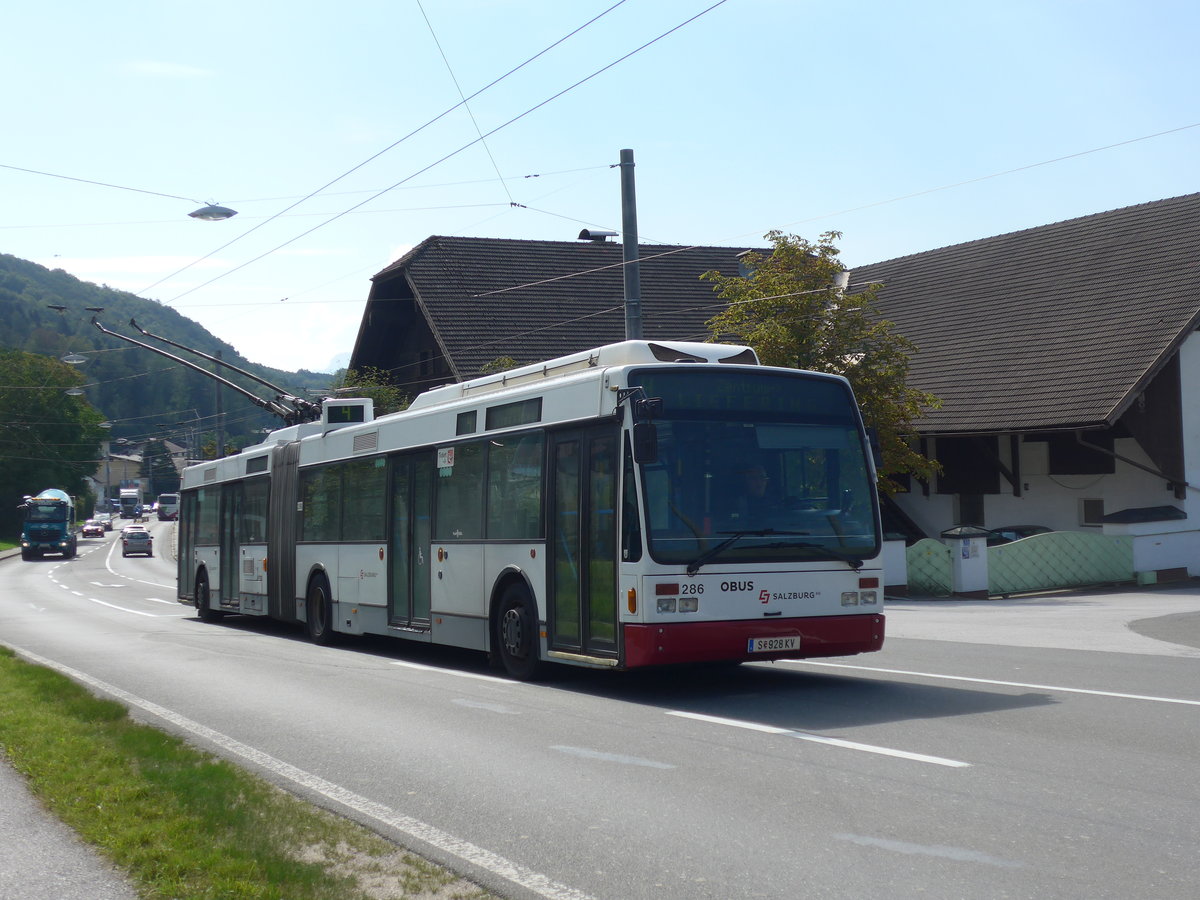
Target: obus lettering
(737, 585)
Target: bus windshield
(757, 466)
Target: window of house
(1091, 512)
(970, 509)
(968, 465)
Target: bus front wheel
(319, 610)
(517, 634)
(204, 610)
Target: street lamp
(213, 213)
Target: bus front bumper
(667, 643)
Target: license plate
(773, 644)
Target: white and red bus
(635, 505)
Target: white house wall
(1175, 544)
(1055, 500)
(1189, 377)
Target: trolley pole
(220, 454)
(629, 243)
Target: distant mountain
(135, 388)
(338, 363)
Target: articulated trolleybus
(636, 505)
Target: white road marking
(136, 612)
(821, 739)
(1016, 684)
(533, 881)
(490, 707)
(959, 854)
(611, 757)
(475, 675)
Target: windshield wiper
(855, 562)
(734, 536)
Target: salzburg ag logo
(764, 596)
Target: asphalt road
(1021, 748)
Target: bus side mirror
(645, 442)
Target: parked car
(92, 528)
(136, 539)
(1009, 533)
(106, 520)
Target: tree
(48, 439)
(498, 365)
(373, 383)
(791, 311)
(159, 470)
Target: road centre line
(443, 671)
(136, 612)
(533, 881)
(1016, 684)
(821, 739)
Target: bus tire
(204, 610)
(318, 607)
(516, 635)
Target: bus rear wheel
(204, 610)
(516, 637)
(319, 609)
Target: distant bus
(168, 507)
(591, 511)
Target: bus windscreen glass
(772, 462)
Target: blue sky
(904, 126)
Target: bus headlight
(867, 597)
(666, 604)
(689, 604)
(849, 598)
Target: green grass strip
(184, 824)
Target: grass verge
(182, 823)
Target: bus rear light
(849, 598)
(631, 600)
(666, 604)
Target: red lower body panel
(666, 643)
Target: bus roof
(626, 353)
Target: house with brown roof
(1068, 365)
(1065, 356)
(452, 305)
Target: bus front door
(412, 500)
(582, 542)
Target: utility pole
(629, 244)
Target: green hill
(134, 388)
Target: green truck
(48, 525)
